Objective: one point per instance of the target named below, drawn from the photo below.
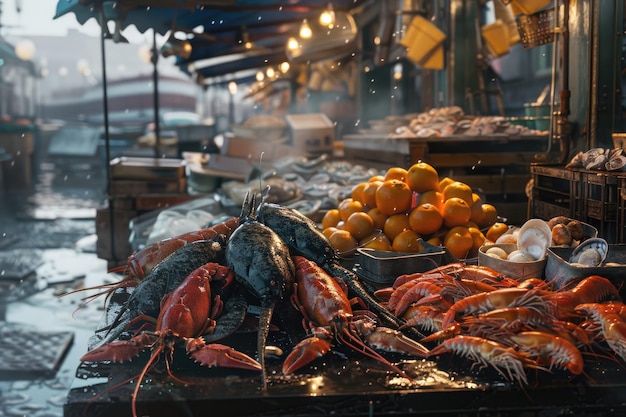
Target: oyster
(592, 252)
(534, 238)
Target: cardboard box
(248, 148)
(311, 133)
(139, 168)
(121, 187)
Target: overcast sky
(37, 18)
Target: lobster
(609, 322)
(146, 297)
(262, 265)
(506, 360)
(186, 313)
(141, 263)
(592, 289)
(300, 234)
(328, 314)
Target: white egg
(520, 256)
(496, 252)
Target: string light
(284, 67)
(292, 44)
(305, 30)
(327, 18)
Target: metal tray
(559, 271)
(383, 267)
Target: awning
(213, 28)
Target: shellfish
(592, 252)
(534, 238)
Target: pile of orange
(392, 211)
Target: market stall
(437, 298)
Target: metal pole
(105, 110)
(155, 83)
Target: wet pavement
(47, 247)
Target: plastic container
(421, 39)
(496, 37)
(517, 270)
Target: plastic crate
(556, 191)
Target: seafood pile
(510, 326)
(448, 121)
(599, 159)
(191, 292)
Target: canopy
(213, 28)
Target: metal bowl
(517, 270)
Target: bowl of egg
(525, 259)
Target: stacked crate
(601, 202)
(137, 186)
(556, 192)
(594, 197)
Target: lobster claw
(305, 352)
(119, 351)
(216, 354)
(384, 338)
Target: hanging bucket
(496, 37)
(527, 6)
(421, 39)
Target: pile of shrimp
(509, 325)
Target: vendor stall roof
(212, 28)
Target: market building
(457, 167)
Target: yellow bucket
(496, 37)
(435, 60)
(421, 39)
(528, 6)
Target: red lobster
(323, 302)
(186, 313)
(143, 261)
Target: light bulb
(305, 30)
(327, 18)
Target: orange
(357, 192)
(344, 243)
(478, 237)
(395, 224)
(347, 207)
(456, 212)
(329, 231)
(330, 219)
(394, 196)
(444, 182)
(422, 177)
(458, 189)
(490, 215)
(369, 193)
(376, 178)
(396, 173)
(476, 208)
(359, 224)
(425, 219)
(496, 230)
(433, 197)
(459, 241)
(378, 217)
(435, 241)
(377, 241)
(406, 241)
